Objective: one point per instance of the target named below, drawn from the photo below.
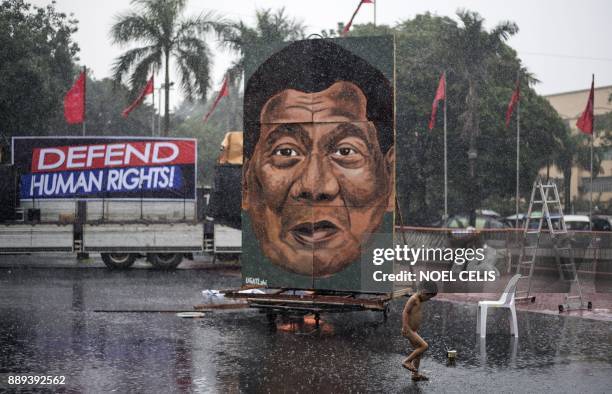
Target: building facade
(570, 105)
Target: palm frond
(127, 61)
(158, 5)
(134, 27)
(505, 30)
(143, 70)
(199, 26)
(193, 62)
(158, 24)
(270, 27)
(236, 36)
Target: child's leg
(416, 376)
(420, 346)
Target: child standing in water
(411, 322)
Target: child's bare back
(412, 313)
(411, 322)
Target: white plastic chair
(505, 301)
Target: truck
(123, 197)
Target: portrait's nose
(316, 182)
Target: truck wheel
(118, 261)
(165, 261)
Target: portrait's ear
(245, 179)
(390, 164)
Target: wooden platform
(297, 301)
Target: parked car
(482, 222)
(572, 222)
(577, 222)
(488, 213)
(511, 220)
(601, 223)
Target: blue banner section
(105, 183)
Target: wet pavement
(49, 325)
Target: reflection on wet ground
(48, 326)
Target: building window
(607, 155)
(600, 184)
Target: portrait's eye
(345, 151)
(285, 155)
(286, 152)
(347, 155)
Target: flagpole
(84, 98)
(229, 107)
(445, 155)
(153, 106)
(592, 140)
(375, 1)
(591, 187)
(518, 149)
(159, 106)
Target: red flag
(516, 96)
(148, 89)
(224, 92)
(350, 22)
(440, 95)
(74, 101)
(585, 122)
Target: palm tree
(164, 33)
(270, 28)
(475, 48)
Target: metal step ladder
(546, 197)
(567, 272)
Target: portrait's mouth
(310, 234)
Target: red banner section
(111, 155)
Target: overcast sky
(561, 41)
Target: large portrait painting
(318, 182)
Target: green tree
(37, 55)
(424, 48)
(166, 34)
(105, 102)
(603, 122)
(575, 150)
(476, 48)
(209, 134)
(271, 27)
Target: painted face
(317, 184)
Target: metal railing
(589, 247)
